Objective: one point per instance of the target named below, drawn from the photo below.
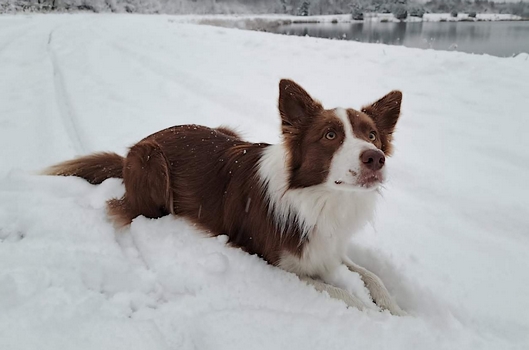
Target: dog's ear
(385, 112)
(296, 106)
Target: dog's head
(341, 148)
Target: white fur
(331, 209)
(328, 215)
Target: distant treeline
(442, 6)
(294, 7)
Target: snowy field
(451, 238)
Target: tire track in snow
(63, 102)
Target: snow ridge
(64, 105)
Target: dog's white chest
(338, 218)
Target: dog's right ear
(296, 106)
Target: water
(494, 38)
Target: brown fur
(206, 176)
(147, 187)
(304, 125)
(228, 131)
(94, 168)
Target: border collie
(296, 204)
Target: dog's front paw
(377, 290)
(349, 299)
(395, 310)
(391, 306)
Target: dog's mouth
(370, 179)
(365, 180)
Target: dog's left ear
(385, 112)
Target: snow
(450, 239)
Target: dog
(296, 204)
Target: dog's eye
(331, 135)
(372, 136)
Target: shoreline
(266, 22)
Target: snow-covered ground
(451, 238)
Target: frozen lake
(506, 38)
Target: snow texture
(450, 240)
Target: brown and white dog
(295, 204)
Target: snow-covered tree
(417, 11)
(356, 13)
(304, 9)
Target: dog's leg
(147, 185)
(338, 293)
(376, 288)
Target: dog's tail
(94, 168)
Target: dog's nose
(373, 159)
